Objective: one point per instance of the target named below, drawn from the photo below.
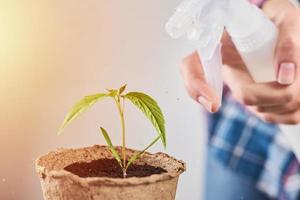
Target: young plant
(142, 101)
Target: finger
(266, 94)
(196, 85)
(287, 52)
(279, 109)
(291, 118)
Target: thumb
(196, 85)
(287, 56)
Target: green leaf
(110, 146)
(152, 111)
(80, 107)
(138, 154)
(122, 89)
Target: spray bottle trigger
(213, 70)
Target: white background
(56, 51)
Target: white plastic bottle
(255, 38)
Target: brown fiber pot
(59, 184)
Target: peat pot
(92, 174)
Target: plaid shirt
(254, 149)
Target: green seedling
(142, 101)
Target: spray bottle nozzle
(203, 22)
(184, 18)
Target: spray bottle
(253, 34)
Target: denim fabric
(224, 184)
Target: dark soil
(111, 168)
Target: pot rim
(107, 181)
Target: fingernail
(286, 74)
(215, 107)
(207, 104)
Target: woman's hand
(195, 83)
(276, 102)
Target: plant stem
(137, 155)
(121, 112)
